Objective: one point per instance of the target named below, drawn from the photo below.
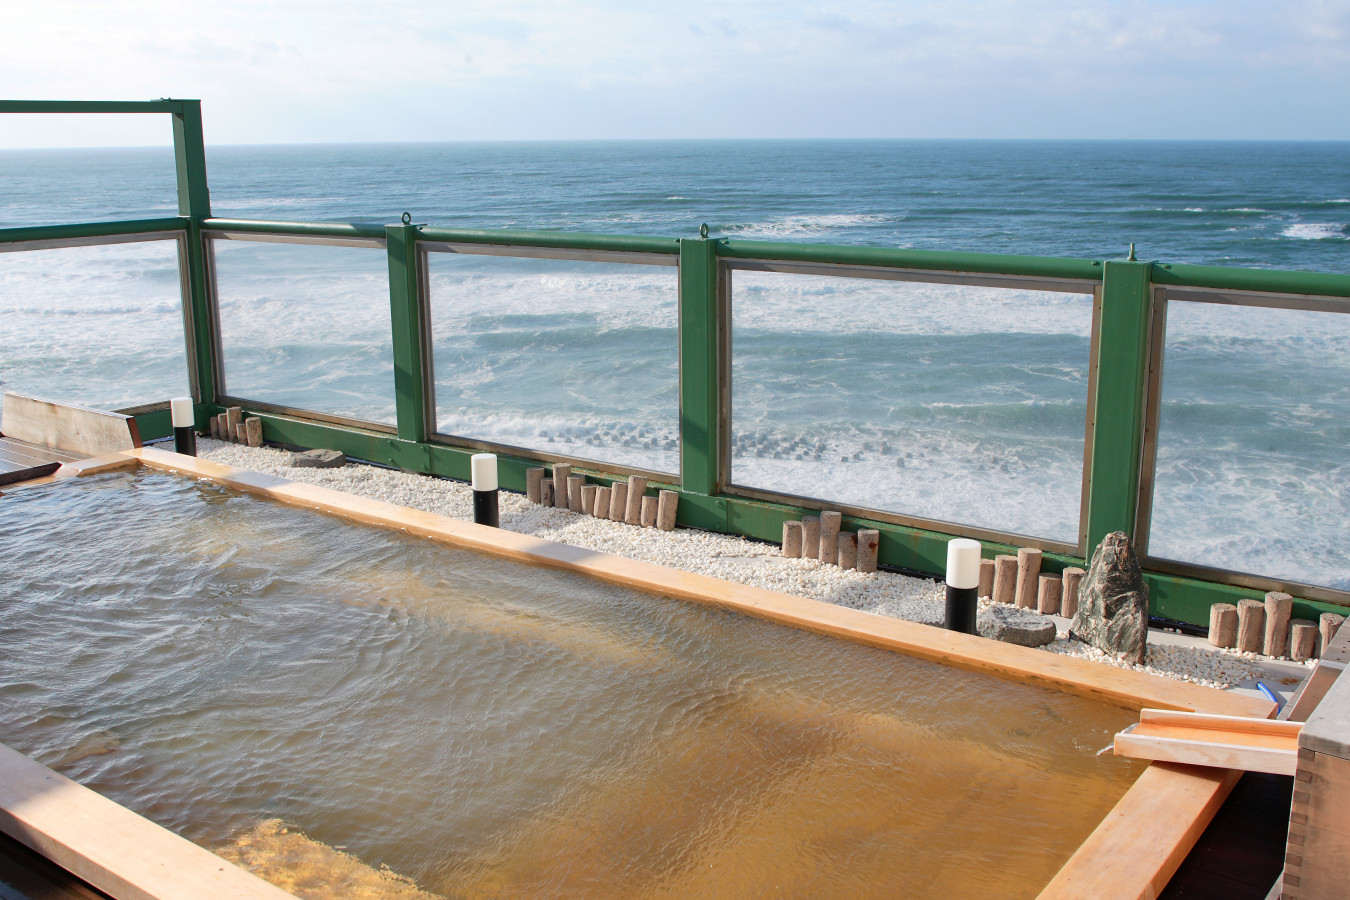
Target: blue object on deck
(1271, 694)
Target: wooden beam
(109, 846)
(88, 432)
(1229, 742)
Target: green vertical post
(405, 316)
(1118, 429)
(700, 369)
(189, 154)
(194, 203)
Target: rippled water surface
(285, 687)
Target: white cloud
(419, 70)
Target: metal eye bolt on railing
(1129, 298)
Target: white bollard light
(483, 469)
(963, 582)
(184, 421)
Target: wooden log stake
(588, 498)
(1223, 625)
(792, 540)
(253, 427)
(1005, 579)
(241, 433)
(1028, 573)
(986, 578)
(602, 498)
(649, 509)
(214, 425)
(669, 504)
(618, 501)
(1279, 607)
(829, 537)
(637, 486)
(561, 473)
(534, 481)
(223, 427)
(1302, 639)
(574, 485)
(848, 550)
(869, 545)
(1047, 596)
(233, 416)
(546, 492)
(1327, 626)
(810, 537)
(1068, 599)
(1251, 625)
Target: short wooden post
(223, 426)
(546, 492)
(1005, 579)
(253, 427)
(574, 485)
(1279, 607)
(810, 537)
(602, 496)
(869, 545)
(668, 505)
(1302, 639)
(214, 424)
(618, 501)
(848, 550)
(637, 486)
(1047, 597)
(588, 498)
(561, 473)
(241, 433)
(792, 540)
(1028, 572)
(534, 481)
(1068, 598)
(1223, 625)
(648, 514)
(1327, 626)
(829, 537)
(1251, 625)
(986, 578)
(233, 416)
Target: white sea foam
(805, 226)
(1314, 231)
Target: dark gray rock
(1113, 602)
(318, 459)
(1015, 626)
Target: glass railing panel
(59, 168)
(98, 326)
(567, 356)
(1254, 421)
(954, 403)
(307, 326)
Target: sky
(332, 71)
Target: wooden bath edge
(1131, 854)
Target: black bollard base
(485, 508)
(185, 441)
(962, 605)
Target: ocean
(954, 403)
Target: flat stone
(1113, 602)
(318, 459)
(1015, 626)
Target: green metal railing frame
(1117, 407)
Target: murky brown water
(355, 713)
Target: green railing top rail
(1233, 278)
(91, 230)
(359, 230)
(162, 105)
(552, 240)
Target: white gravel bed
(720, 556)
